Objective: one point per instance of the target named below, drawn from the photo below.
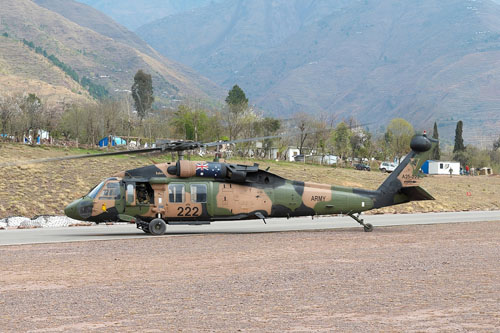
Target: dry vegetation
(47, 188)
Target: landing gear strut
(366, 226)
(144, 226)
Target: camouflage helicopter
(201, 192)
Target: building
(291, 153)
(431, 167)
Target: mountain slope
(133, 14)
(220, 39)
(93, 19)
(33, 73)
(106, 61)
(423, 60)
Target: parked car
(299, 158)
(363, 167)
(387, 166)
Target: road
(128, 231)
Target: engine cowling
(186, 169)
(233, 172)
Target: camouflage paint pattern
(244, 192)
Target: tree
(436, 153)
(192, 124)
(267, 127)
(9, 108)
(341, 138)
(459, 141)
(237, 104)
(304, 122)
(400, 131)
(32, 110)
(496, 144)
(142, 93)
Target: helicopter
(201, 192)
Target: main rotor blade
(219, 143)
(75, 157)
(283, 135)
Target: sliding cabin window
(199, 193)
(176, 193)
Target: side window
(440, 165)
(130, 193)
(176, 192)
(144, 193)
(111, 191)
(199, 193)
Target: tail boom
(403, 184)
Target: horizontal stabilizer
(416, 193)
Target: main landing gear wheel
(367, 227)
(157, 227)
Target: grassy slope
(33, 73)
(47, 188)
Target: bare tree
(9, 108)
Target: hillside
(33, 73)
(47, 188)
(133, 14)
(425, 61)
(110, 61)
(93, 19)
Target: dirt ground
(433, 278)
(45, 189)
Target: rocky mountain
(421, 60)
(60, 51)
(133, 14)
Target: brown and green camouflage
(190, 192)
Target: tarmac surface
(129, 231)
(411, 278)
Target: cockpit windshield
(93, 193)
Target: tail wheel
(157, 227)
(368, 227)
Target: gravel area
(429, 278)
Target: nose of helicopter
(71, 210)
(79, 209)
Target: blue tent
(115, 141)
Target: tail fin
(403, 183)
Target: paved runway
(128, 231)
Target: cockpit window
(93, 193)
(111, 191)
